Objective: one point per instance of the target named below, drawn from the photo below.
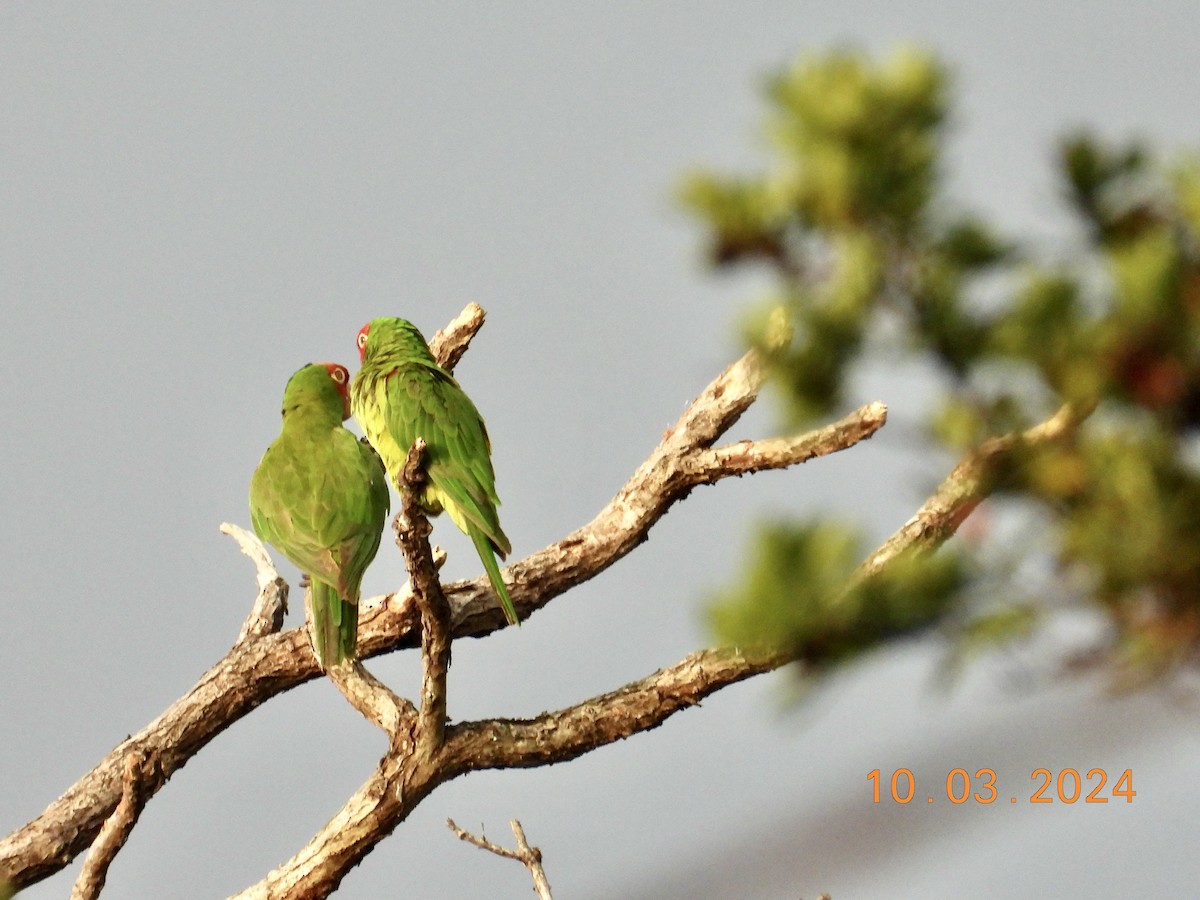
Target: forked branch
(264, 662)
(116, 830)
(529, 857)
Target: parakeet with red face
(400, 394)
(320, 497)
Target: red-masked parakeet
(400, 394)
(320, 496)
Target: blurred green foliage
(850, 217)
(796, 585)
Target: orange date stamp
(1064, 786)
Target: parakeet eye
(362, 340)
(338, 373)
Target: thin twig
(266, 616)
(967, 485)
(530, 857)
(116, 829)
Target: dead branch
(400, 782)
(399, 785)
(116, 829)
(449, 344)
(970, 482)
(412, 536)
(530, 857)
(261, 665)
(266, 616)
(394, 715)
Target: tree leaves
(850, 217)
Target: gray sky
(198, 200)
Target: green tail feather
(487, 555)
(332, 625)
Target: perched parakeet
(400, 394)
(320, 496)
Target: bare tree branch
(394, 715)
(530, 857)
(261, 665)
(266, 616)
(412, 536)
(639, 706)
(404, 725)
(449, 344)
(400, 782)
(968, 485)
(681, 462)
(116, 829)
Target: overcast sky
(198, 199)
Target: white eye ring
(339, 375)
(362, 339)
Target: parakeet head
(363, 333)
(389, 336)
(319, 383)
(340, 376)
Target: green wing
(400, 394)
(428, 403)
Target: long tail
(332, 625)
(487, 555)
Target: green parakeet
(320, 496)
(400, 394)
